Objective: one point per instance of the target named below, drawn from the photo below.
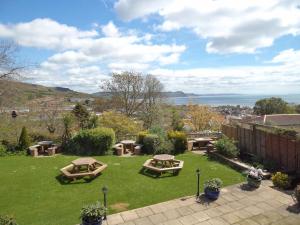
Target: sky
(204, 47)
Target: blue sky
(230, 46)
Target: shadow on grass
(204, 201)
(156, 175)
(65, 181)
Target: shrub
(213, 184)
(7, 220)
(96, 141)
(165, 147)
(140, 137)
(24, 141)
(281, 180)
(3, 150)
(179, 141)
(92, 213)
(297, 193)
(151, 143)
(226, 147)
(159, 131)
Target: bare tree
(126, 89)
(151, 100)
(9, 67)
(135, 94)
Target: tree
(24, 141)
(151, 100)
(297, 108)
(67, 129)
(120, 123)
(176, 123)
(134, 93)
(82, 115)
(271, 106)
(126, 89)
(8, 65)
(201, 117)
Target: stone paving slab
(236, 205)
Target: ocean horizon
(230, 99)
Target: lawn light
(198, 182)
(105, 190)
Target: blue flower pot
(213, 195)
(91, 221)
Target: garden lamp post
(198, 182)
(14, 117)
(105, 190)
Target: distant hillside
(168, 94)
(14, 94)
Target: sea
(230, 99)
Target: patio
(236, 205)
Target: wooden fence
(266, 145)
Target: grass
(31, 191)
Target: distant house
(81, 100)
(278, 120)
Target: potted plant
(93, 214)
(254, 177)
(297, 195)
(212, 188)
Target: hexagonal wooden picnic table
(81, 162)
(165, 159)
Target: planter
(253, 182)
(213, 195)
(91, 221)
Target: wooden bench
(178, 165)
(119, 149)
(34, 150)
(67, 171)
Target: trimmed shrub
(24, 140)
(165, 147)
(96, 141)
(297, 194)
(179, 140)
(7, 220)
(3, 150)
(140, 137)
(151, 143)
(226, 147)
(281, 180)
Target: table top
(84, 161)
(203, 139)
(163, 157)
(45, 143)
(126, 142)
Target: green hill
(16, 94)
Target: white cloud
(119, 67)
(46, 33)
(230, 26)
(282, 77)
(110, 30)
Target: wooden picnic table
(202, 142)
(45, 145)
(128, 144)
(87, 162)
(164, 159)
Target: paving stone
(171, 214)
(261, 219)
(248, 222)
(265, 206)
(217, 221)
(143, 221)
(196, 207)
(142, 212)
(171, 222)
(214, 212)
(201, 216)
(253, 210)
(235, 205)
(231, 218)
(157, 218)
(273, 215)
(225, 208)
(128, 223)
(203, 223)
(185, 211)
(129, 215)
(188, 220)
(114, 219)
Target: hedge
(179, 140)
(97, 141)
(151, 143)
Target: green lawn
(30, 191)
